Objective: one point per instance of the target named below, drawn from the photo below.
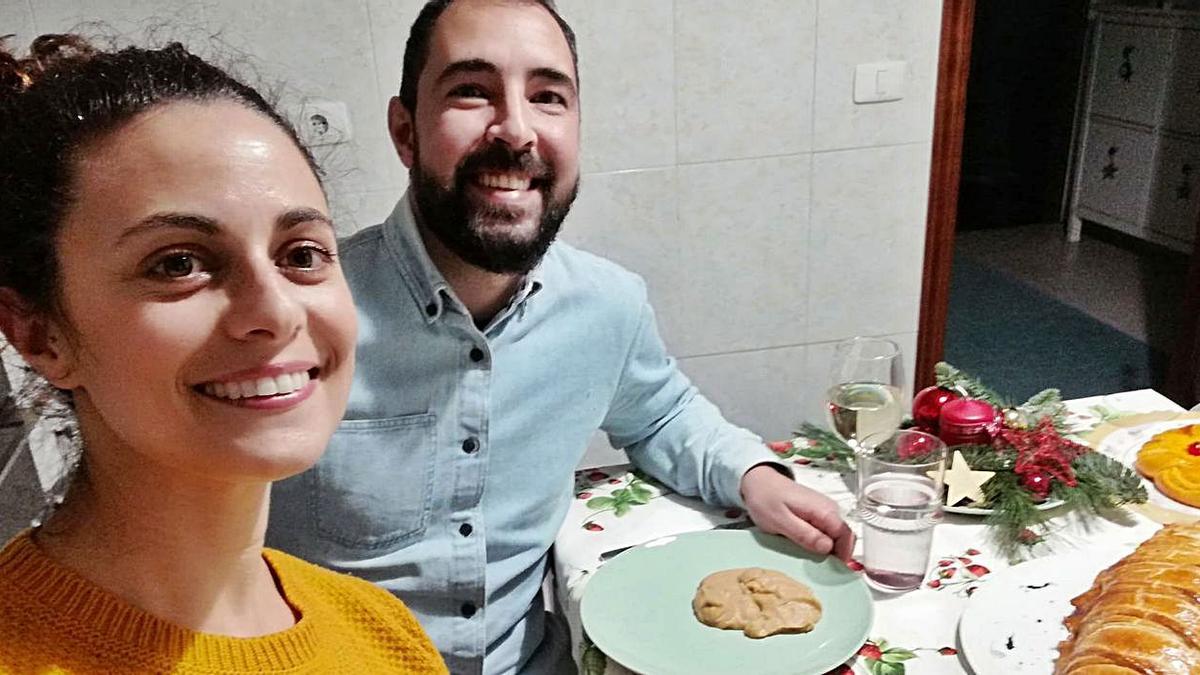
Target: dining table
(911, 633)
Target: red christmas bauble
(927, 406)
(968, 421)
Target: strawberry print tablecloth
(913, 633)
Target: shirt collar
(402, 236)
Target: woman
(168, 262)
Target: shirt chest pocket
(373, 487)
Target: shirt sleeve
(674, 433)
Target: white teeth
(505, 181)
(264, 386)
(284, 383)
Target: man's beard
(482, 234)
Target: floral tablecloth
(618, 507)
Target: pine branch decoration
(949, 377)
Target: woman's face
(206, 326)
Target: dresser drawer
(1116, 168)
(1175, 198)
(1183, 101)
(1130, 72)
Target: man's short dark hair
(416, 51)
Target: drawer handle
(1109, 172)
(1184, 190)
(1126, 71)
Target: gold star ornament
(962, 482)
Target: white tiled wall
(724, 158)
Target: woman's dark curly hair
(56, 101)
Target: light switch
(880, 81)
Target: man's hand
(778, 505)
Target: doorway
(1006, 295)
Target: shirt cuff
(749, 457)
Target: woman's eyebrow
(158, 221)
(294, 217)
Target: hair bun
(46, 52)
(12, 75)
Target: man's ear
(402, 130)
(37, 338)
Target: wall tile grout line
(774, 348)
(812, 175)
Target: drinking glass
(900, 478)
(864, 397)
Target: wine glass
(864, 396)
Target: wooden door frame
(949, 114)
(1182, 383)
(954, 64)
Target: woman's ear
(37, 338)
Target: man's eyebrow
(300, 216)
(554, 75)
(466, 66)
(157, 221)
(481, 66)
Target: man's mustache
(500, 158)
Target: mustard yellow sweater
(54, 621)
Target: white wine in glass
(861, 409)
(865, 398)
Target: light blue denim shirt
(453, 469)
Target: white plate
(1012, 625)
(1123, 445)
(976, 511)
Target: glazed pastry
(756, 601)
(1142, 615)
(1172, 460)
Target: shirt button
(465, 529)
(468, 610)
(431, 308)
(470, 445)
(476, 354)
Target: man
(488, 356)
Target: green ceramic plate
(638, 608)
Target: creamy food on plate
(759, 602)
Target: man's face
(493, 146)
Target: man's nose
(512, 125)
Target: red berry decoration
(870, 651)
(593, 527)
(978, 570)
(947, 651)
(1038, 484)
(934, 584)
(584, 495)
(927, 406)
(1194, 449)
(780, 447)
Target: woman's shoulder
(314, 582)
(366, 612)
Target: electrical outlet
(323, 122)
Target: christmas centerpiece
(1011, 461)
